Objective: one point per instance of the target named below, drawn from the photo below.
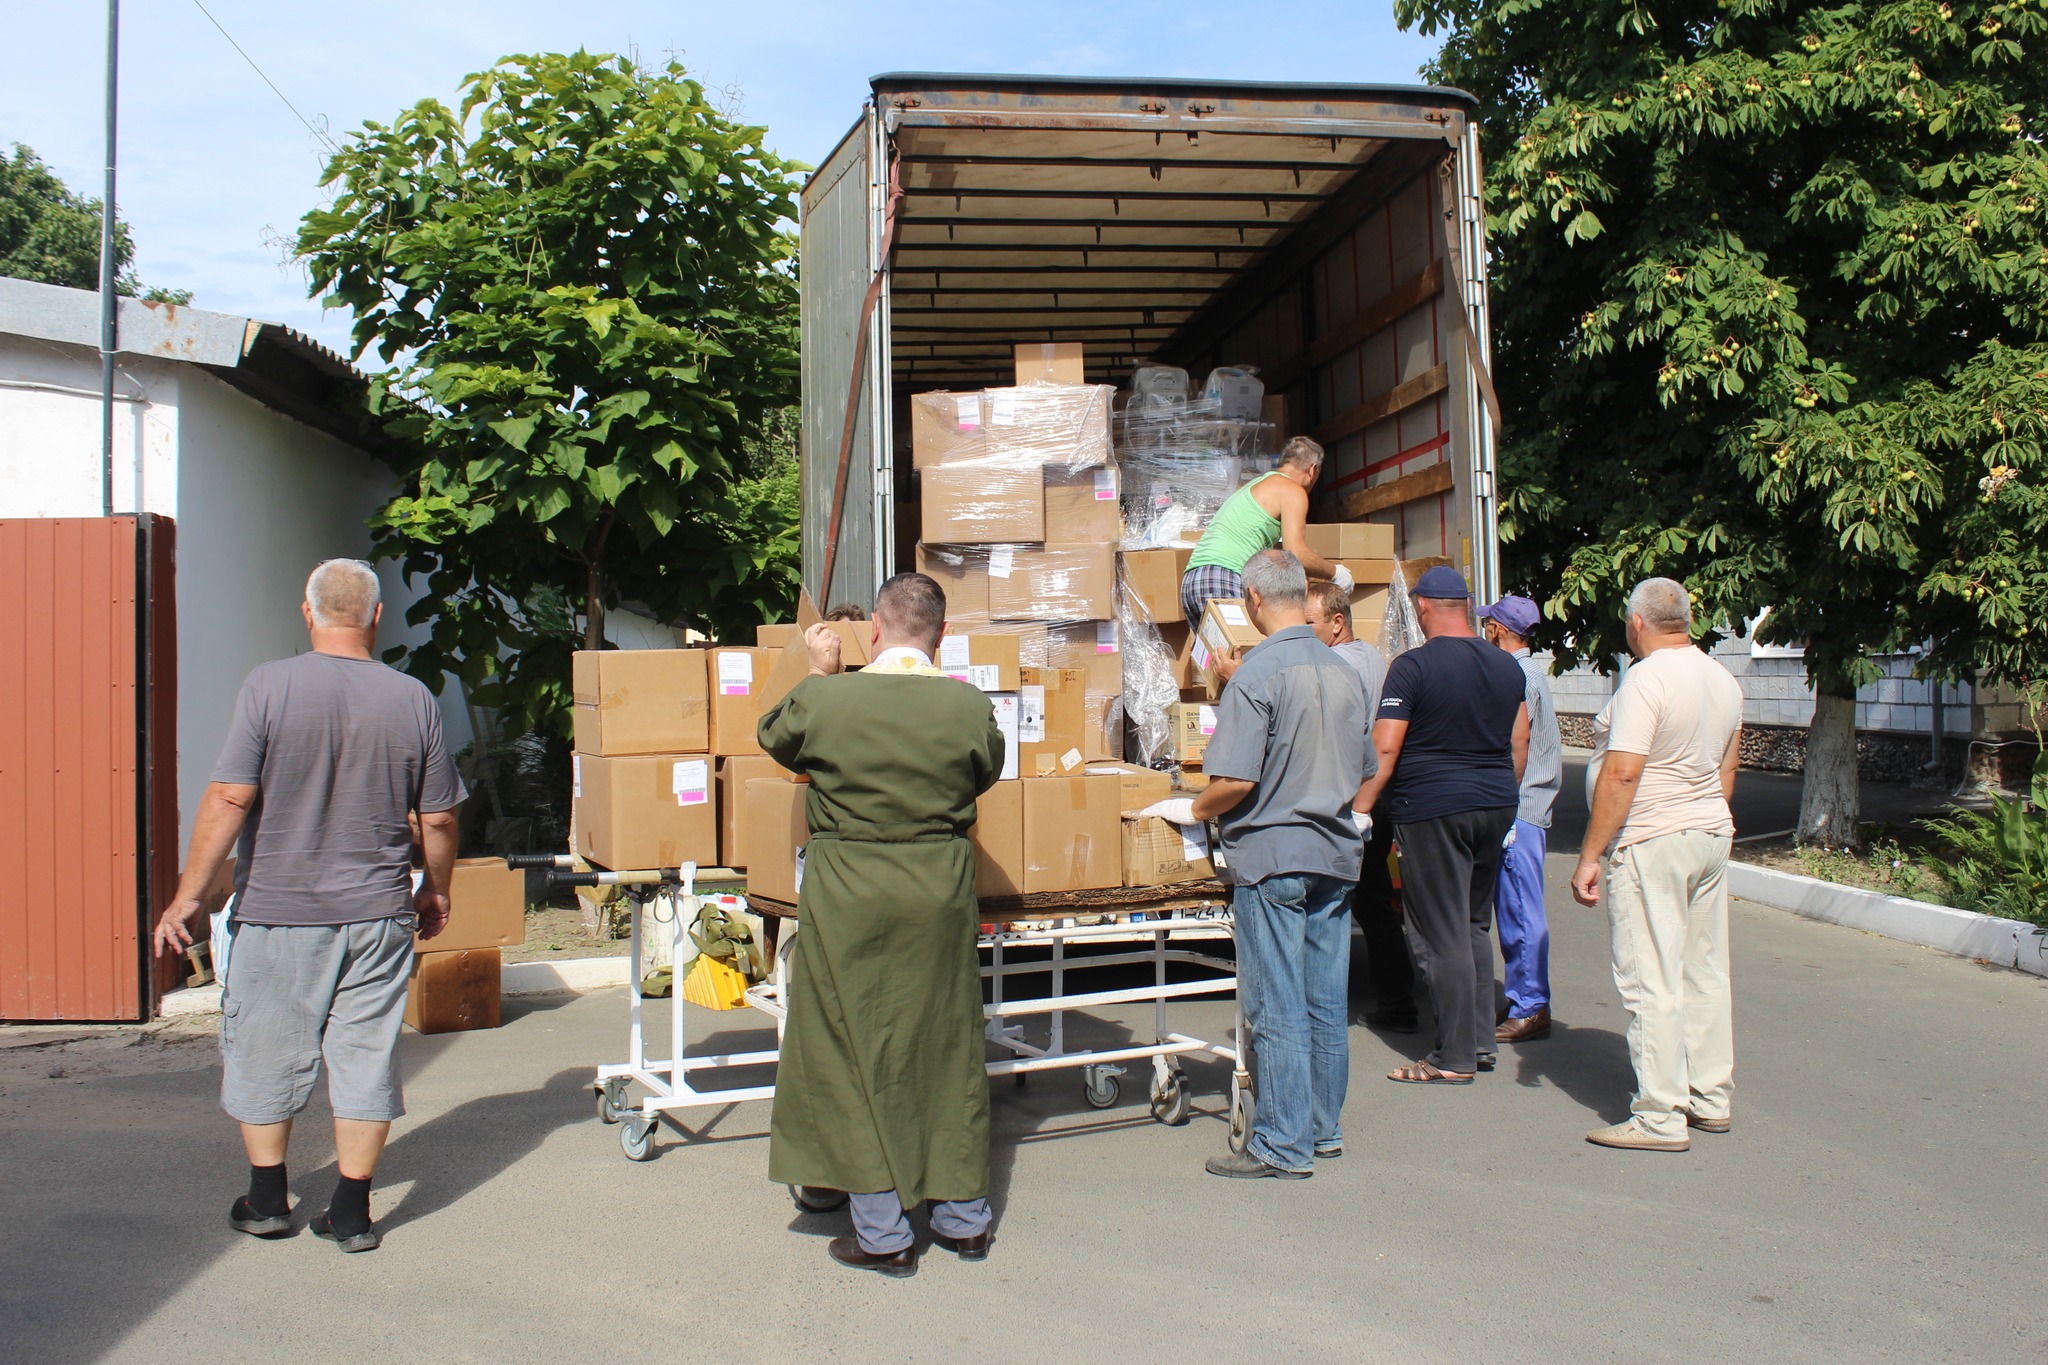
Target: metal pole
(108, 303)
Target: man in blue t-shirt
(1452, 736)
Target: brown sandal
(1422, 1073)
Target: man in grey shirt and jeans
(328, 754)
(1286, 759)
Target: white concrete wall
(50, 460)
(261, 500)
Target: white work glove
(1364, 823)
(1179, 810)
(1343, 579)
(1509, 842)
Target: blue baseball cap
(1442, 582)
(1518, 614)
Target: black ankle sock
(349, 1210)
(268, 1193)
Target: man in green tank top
(1270, 510)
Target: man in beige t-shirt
(1663, 768)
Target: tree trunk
(593, 605)
(1830, 802)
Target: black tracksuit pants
(1448, 869)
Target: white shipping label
(1105, 637)
(1002, 408)
(1005, 704)
(1105, 485)
(800, 871)
(1194, 842)
(1205, 718)
(1212, 636)
(953, 652)
(1201, 655)
(987, 677)
(1002, 561)
(1232, 614)
(1162, 496)
(576, 775)
(690, 780)
(735, 673)
(1031, 715)
(1070, 760)
(967, 411)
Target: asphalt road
(1882, 1197)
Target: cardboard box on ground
(454, 992)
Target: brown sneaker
(1632, 1138)
(1526, 1030)
(1707, 1125)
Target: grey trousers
(883, 1229)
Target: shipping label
(1002, 561)
(1005, 704)
(1232, 614)
(1205, 719)
(1194, 842)
(1105, 637)
(1031, 715)
(735, 673)
(967, 411)
(987, 677)
(953, 653)
(1105, 485)
(576, 775)
(690, 780)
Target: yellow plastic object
(714, 985)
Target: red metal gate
(88, 757)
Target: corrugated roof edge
(1418, 93)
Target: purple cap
(1442, 582)
(1518, 614)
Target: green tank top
(1241, 529)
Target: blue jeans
(1524, 931)
(1293, 969)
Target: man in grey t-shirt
(1286, 759)
(328, 754)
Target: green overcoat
(881, 1083)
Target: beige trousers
(1667, 912)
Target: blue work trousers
(883, 1229)
(1524, 930)
(1293, 968)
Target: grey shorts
(298, 993)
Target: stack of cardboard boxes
(456, 975)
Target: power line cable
(316, 132)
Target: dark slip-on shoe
(1245, 1166)
(242, 1217)
(973, 1248)
(897, 1265)
(367, 1240)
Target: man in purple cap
(1452, 735)
(1518, 897)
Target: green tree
(582, 280)
(52, 236)
(1770, 299)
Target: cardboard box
(961, 572)
(1226, 626)
(1050, 362)
(1052, 721)
(987, 659)
(1062, 425)
(738, 680)
(1159, 853)
(646, 811)
(1369, 607)
(1103, 713)
(778, 635)
(641, 701)
(998, 838)
(454, 992)
(793, 664)
(1351, 539)
(1137, 787)
(1081, 507)
(1095, 647)
(1071, 841)
(982, 502)
(1151, 583)
(1052, 582)
(777, 832)
(1180, 642)
(1369, 572)
(1189, 726)
(733, 775)
(945, 426)
(486, 908)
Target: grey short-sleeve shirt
(340, 750)
(1292, 722)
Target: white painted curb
(567, 977)
(1963, 933)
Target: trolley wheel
(611, 1097)
(636, 1137)
(1100, 1088)
(1241, 1107)
(1171, 1102)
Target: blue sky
(215, 170)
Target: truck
(1329, 238)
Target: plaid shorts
(1201, 585)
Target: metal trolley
(1159, 927)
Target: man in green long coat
(881, 1092)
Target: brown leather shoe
(973, 1248)
(1526, 1030)
(1719, 1125)
(897, 1265)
